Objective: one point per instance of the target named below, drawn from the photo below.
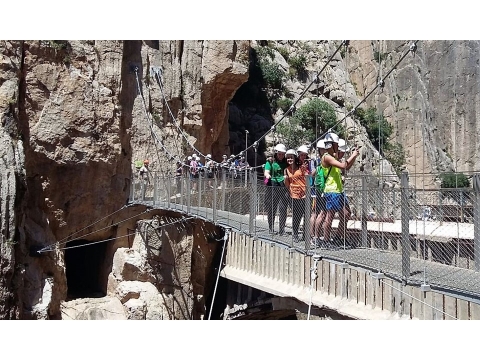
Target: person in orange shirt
(295, 182)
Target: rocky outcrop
(76, 114)
(73, 121)
(429, 98)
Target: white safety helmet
(189, 158)
(208, 156)
(224, 156)
(321, 144)
(342, 146)
(331, 137)
(303, 149)
(280, 148)
(291, 152)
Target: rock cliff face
(75, 115)
(72, 123)
(431, 98)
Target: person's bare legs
(327, 224)
(312, 224)
(318, 223)
(344, 217)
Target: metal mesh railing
(420, 236)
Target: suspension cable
(157, 72)
(292, 107)
(171, 156)
(420, 301)
(114, 238)
(411, 48)
(225, 239)
(48, 247)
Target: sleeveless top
(333, 184)
(297, 185)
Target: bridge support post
(476, 222)
(405, 209)
(308, 210)
(142, 190)
(214, 205)
(364, 212)
(182, 190)
(132, 189)
(200, 191)
(189, 182)
(224, 185)
(155, 184)
(169, 192)
(253, 197)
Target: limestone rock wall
(73, 122)
(431, 98)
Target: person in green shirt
(276, 193)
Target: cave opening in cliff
(85, 269)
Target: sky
(212, 20)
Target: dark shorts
(194, 176)
(335, 201)
(209, 174)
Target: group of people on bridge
(286, 175)
(192, 167)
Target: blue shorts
(335, 201)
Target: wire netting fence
(385, 225)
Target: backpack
(321, 179)
(194, 167)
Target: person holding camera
(335, 198)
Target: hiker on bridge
(334, 195)
(179, 176)
(144, 176)
(210, 169)
(194, 171)
(319, 207)
(276, 193)
(295, 181)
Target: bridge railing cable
(382, 214)
(411, 48)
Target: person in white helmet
(178, 176)
(194, 172)
(319, 207)
(295, 180)
(334, 195)
(210, 169)
(276, 195)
